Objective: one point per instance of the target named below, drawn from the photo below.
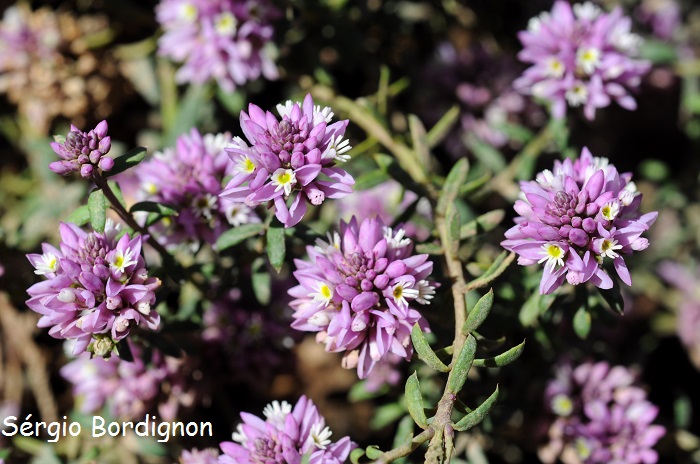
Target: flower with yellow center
(562, 405)
(284, 179)
(610, 210)
(324, 294)
(577, 95)
(48, 263)
(609, 247)
(554, 67)
(587, 59)
(188, 12)
(400, 292)
(553, 255)
(122, 260)
(225, 24)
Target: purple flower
(226, 40)
(195, 456)
(600, 416)
(688, 312)
(129, 389)
(285, 436)
(357, 292)
(83, 152)
(663, 16)
(576, 219)
(287, 158)
(96, 289)
(581, 56)
(189, 178)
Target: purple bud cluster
(600, 416)
(83, 152)
(576, 219)
(96, 290)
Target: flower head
(600, 416)
(290, 160)
(83, 152)
(374, 280)
(96, 289)
(577, 219)
(229, 41)
(581, 56)
(189, 178)
(285, 436)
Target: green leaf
(97, 207)
(128, 160)
(657, 51)
(474, 185)
(261, 281)
(236, 235)
(613, 298)
(502, 359)
(582, 322)
(425, 352)
(371, 179)
(387, 414)
(429, 248)
(439, 131)
(414, 401)
(462, 365)
(490, 157)
(276, 247)
(533, 307)
(373, 452)
(356, 454)
(419, 140)
(481, 224)
(454, 223)
(233, 102)
(80, 216)
(153, 207)
(479, 414)
(450, 190)
(117, 191)
(499, 265)
(479, 313)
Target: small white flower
(321, 437)
(320, 115)
(122, 260)
(48, 263)
(396, 240)
(336, 147)
(610, 210)
(237, 214)
(628, 193)
(545, 178)
(578, 94)
(553, 255)
(587, 11)
(284, 179)
(188, 12)
(554, 67)
(323, 294)
(286, 108)
(277, 412)
(609, 247)
(205, 206)
(239, 435)
(562, 405)
(426, 292)
(225, 24)
(144, 308)
(535, 23)
(588, 58)
(401, 291)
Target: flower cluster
(195, 456)
(357, 292)
(286, 435)
(83, 152)
(48, 68)
(600, 417)
(582, 56)
(226, 40)
(189, 178)
(128, 389)
(577, 218)
(287, 157)
(688, 311)
(96, 289)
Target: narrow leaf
(481, 224)
(425, 352)
(276, 247)
(414, 401)
(582, 322)
(462, 365)
(117, 191)
(453, 224)
(499, 265)
(479, 414)
(613, 298)
(80, 216)
(128, 160)
(429, 248)
(261, 281)
(474, 185)
(502, 359)
(153, 207)
(419, 139)
(439, 131)
(373, 452)
(370, 179)
(236, 235)
(356, 454)
(479, 313)
(97, 207)
(450, 190)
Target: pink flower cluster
(83, 152)
(576, 219)
(96, 289)
(581, 56)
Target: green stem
(407, 448)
